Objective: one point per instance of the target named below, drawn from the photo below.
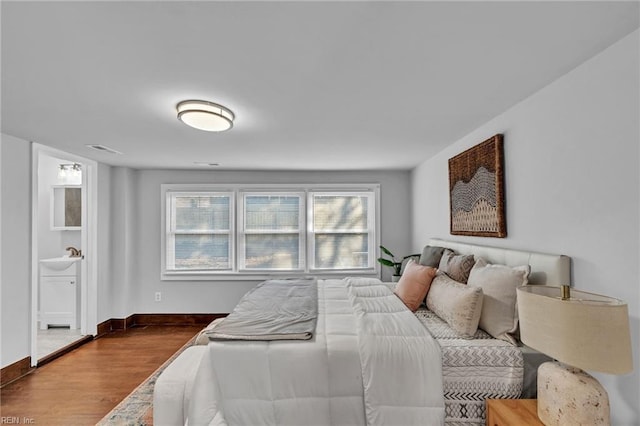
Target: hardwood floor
(82, 386)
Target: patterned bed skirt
(474, 370)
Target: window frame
(371, 226)
(170, 232)
(241, 232)
(237, 191)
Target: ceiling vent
(103, 148)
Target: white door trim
(89, 244)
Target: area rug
(137, 408)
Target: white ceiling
(314, 85)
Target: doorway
(64, 278)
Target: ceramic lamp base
(569, 396)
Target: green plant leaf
(386, 262)
(387, 252)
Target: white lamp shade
(587, 331)
(205, 115)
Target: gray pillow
(457, 266)
(431, 256)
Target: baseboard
(16, 370)
(112, 324)
(103, 328)
(130, 321)
(115, 324)
(141, 320)
(174, 319)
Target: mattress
(474, 370)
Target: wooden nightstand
(512, 412)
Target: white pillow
(499, 315)
(456, 303)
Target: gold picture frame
(476, 190)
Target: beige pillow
(457, 266)
(414, 284)
(456, 303)
(499, 309)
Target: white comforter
(371, 362)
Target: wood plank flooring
(82, 386)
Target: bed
(484, 367)
(371, 361)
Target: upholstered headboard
(548, 269)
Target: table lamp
(581, 331)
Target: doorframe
(89, 244)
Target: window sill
(199, 276)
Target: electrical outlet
(158, 296)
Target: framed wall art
(476, 190)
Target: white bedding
(370, 362)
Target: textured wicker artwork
(476, 190)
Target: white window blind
(199, 233)
(342, 230)
(272, 231)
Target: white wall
(142, 244)
(104, 242)
(572, 164)
(15, 282)
(123, 241)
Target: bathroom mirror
(66, 207)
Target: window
(216, 232)
(271, 232)
(199, 232)
(341, 230)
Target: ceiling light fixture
(205, 115)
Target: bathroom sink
(59, 263)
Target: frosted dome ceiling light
(205, 115)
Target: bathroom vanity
(59, 292)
